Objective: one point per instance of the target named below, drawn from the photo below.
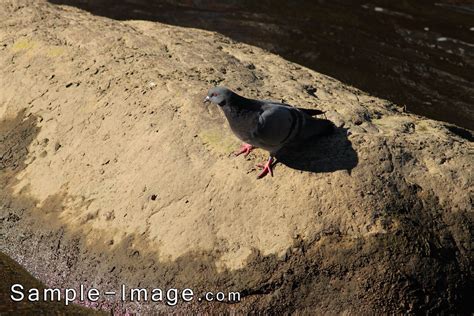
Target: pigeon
(267, 125)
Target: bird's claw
(267, 169)
(244, 149)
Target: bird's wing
(310, 112)
(279, 125)
(276, 125)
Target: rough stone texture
(12, 273)
(113, 171)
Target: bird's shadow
(322, 154)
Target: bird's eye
(214, 95)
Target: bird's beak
(206, 100)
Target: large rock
(114, 172)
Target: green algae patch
(218, 141)
(23, 45)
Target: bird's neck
(242, 113)
(240, 104)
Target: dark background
(418, 54)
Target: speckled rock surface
(113, 172)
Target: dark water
(414, 53)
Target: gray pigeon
(266, 124)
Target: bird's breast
(242, 124)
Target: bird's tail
(314, 127)
(311, 112)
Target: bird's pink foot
(244, 149)
(267, 168)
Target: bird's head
(219, 96)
